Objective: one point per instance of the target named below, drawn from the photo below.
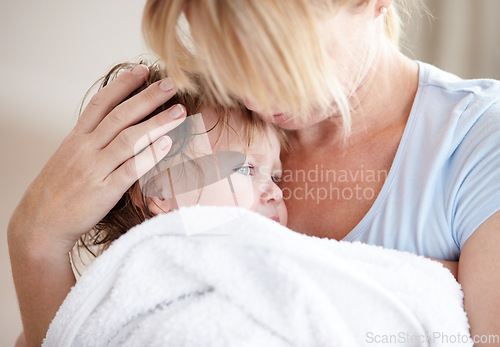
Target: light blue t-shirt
(445, 178)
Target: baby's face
(250, 173)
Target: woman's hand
(96, 163)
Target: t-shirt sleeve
(477, 175)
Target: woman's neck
(384, 99)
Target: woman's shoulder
(454, 145)
(459, 108)
(431, 76)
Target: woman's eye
(246, 170)
(276, 179)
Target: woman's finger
(133, 110)
(134, 139)
(134, 168)
(103, 102)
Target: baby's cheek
(187, 199)
(220, 193)
(217, 194)
(245, 191)
(283, 213)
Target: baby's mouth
(276, 219)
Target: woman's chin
(294, 124)
(284, 121)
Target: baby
(219, 157)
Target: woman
(356, 108)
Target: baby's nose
(272, 194)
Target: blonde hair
(267, 50)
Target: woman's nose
(255, 106)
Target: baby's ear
(160, 205)
(156, 205)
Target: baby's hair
(128, 212)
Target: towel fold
(248, 281)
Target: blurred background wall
(460, 36)
(52, 51)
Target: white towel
(249, 281)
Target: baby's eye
(276, 179)
(246, 170)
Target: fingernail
(176, 111)
(167, 84)
(139, 70)
(164, 142)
